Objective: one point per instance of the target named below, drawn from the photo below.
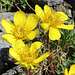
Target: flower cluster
(25, 27)
(52, 21)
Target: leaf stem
(29, 5)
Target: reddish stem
(29, 72)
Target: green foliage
(22, 3)
(5, 5)
(68, 39)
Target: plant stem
(29, 72)
(29, 5)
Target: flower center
(53, 21)
(19, 32)
(27, 57)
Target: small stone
(54, 2)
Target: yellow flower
(27, 56)
(52, 21)
(71, 71)
(22, 28)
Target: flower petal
(36, 45)
(66, 72)
(18, 44)
(54, 34)
(32, 67)
(19, 18)
(61, 16)
(45, 26)
(47, 10)
(9, 38)
(68, 27)
(41, 58)
(13, 54)
(24, 64)
(72, 70)
(33, 34)
(31, 22)
(7, 25)
(39, 12)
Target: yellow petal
(31, 22)
(45, 26)
(72, 70)
(19, 18)
(18, 44)
(32, 67)
(13, 54)
(36, 45)
(33, 34)
(7, 25)
(47, 10)
(61, 16)
(66, 72)
(54, 34)
(24, 64)
(41, 58)
(68, 27)
(39, 12)
(9, 38)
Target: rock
(54, 2)
(5, 64)
(3, 44)
(15, 71)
